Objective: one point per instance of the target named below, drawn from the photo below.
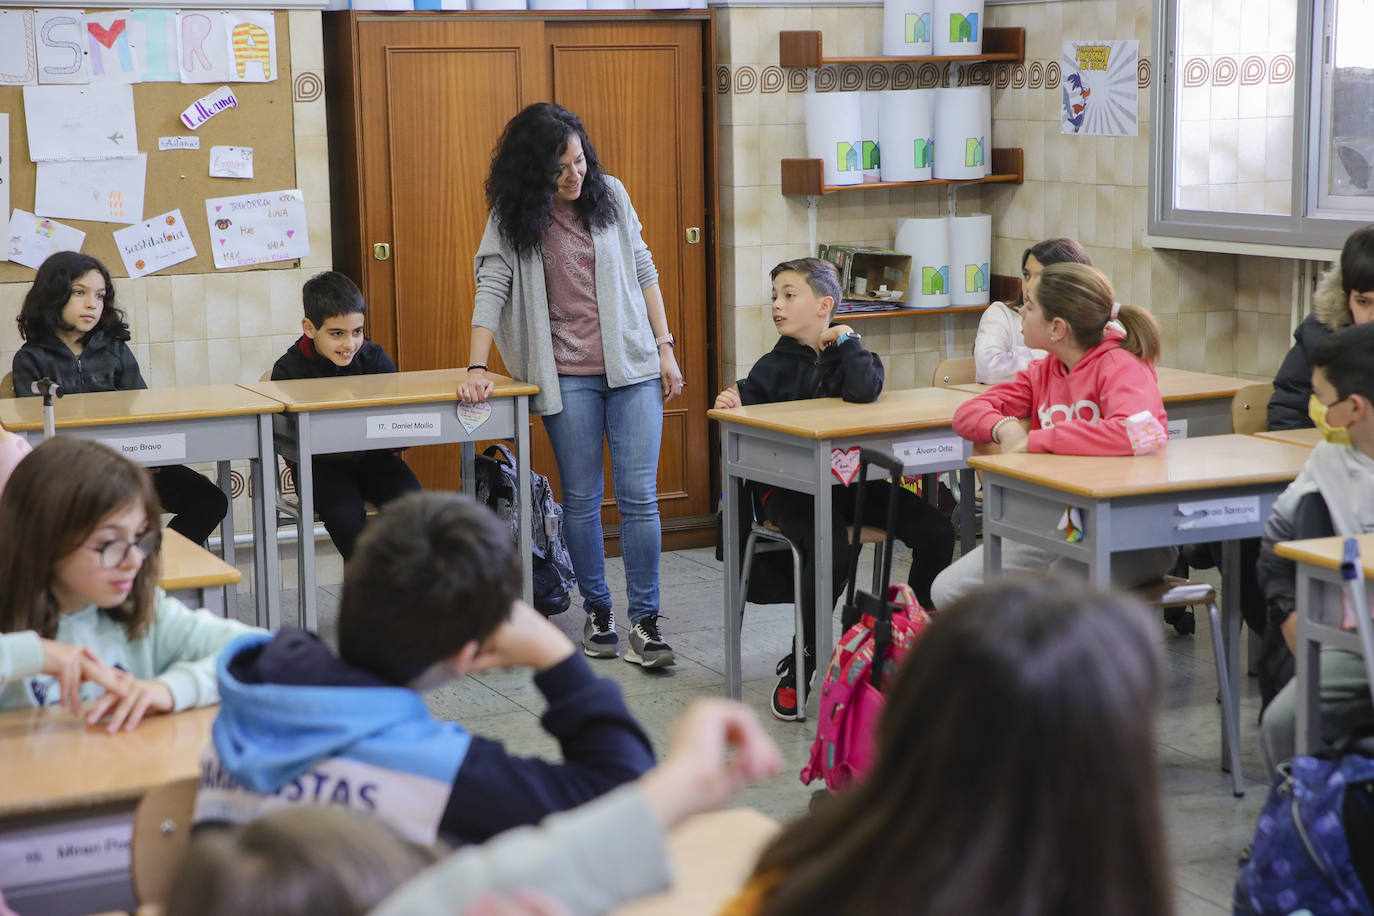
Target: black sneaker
(1181, 619)
(598, 633)
(646, 646)
(784, 705)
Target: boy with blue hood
(430, 595)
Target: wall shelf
(1003, 289)
(805, 177)
(803, 49)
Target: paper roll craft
(970, 254)
(927, 242)
(963, 132)
(871, 150)
(905, 122)
(958, 27)
(834, 135)
(907, 28)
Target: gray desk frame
(303, 431)
(217, 439)
(1206, 417)
(1319, 607)
(751, 453)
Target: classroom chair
(953, 372)
(162, 831)
(764, 537)
(7, 386)
(1250, 409)
(1173, 592)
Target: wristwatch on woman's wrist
(668, 339)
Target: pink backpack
(852, 692)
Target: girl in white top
(81, 616)
(999, 350)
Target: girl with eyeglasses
(81, 616)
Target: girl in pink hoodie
(1075, 401)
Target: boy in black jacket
(814, 359)
(333, 345)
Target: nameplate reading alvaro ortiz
(151, 449)
(940, 452)
(404, 426)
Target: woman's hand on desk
(73, 665)
(476, 388)
(127, 710)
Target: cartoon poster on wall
(257, 228)
(154, 244)
(1100, 88)
(33, 238)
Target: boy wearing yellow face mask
(1334, 494)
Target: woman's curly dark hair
(40, 317)
(524, 170)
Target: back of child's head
(1052, 251)
(331, 295)
(296, 861)
(40, 317)
(1014, 771)
(819, 274)
(1346, 358)
(433, 572)
(1357, 261)
(56, 497)
(1083, 296)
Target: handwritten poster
(104, 190)
(32, 239)
(257, 228)
(18, 62)
(80, 122)
(231, 162)
(154, 244)
(62, 55)
(111, 54)
(1100, 88)
(4, 176)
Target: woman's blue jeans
(631, 419)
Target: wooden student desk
(1307, 438)
(1319, 606)
(192, 570)
(788, 444)
(713, 856)
(389, 411)
(1198, 404)
(67, 796)
(194, 424)
(1130, 503)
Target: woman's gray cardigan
(512, 303)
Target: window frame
(1297, 230)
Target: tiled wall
(197, 329)
(1217, 312)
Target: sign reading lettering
(404, 426)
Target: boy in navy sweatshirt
(815, 359)
(431, 595)
(333, 345)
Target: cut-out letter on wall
(203, 47)
(112, 60)
(18, 48)
(254, 47)
(153, 34)
(61, 55)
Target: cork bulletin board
(178, 178)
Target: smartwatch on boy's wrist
(848, 335)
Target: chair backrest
(7, 386)
(1250, 409)
(266, 376)
(162, 831)
(953, 372)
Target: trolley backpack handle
(876, 605)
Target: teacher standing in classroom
(568, 291)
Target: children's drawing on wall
(80, 122)
(222, 46)
(32, 238)
(107, 40)
(103, 190)
(231, 162)
(62, 55)
(257, 228)
(154, 244)
(18, 61)
(1100, 88)
(4, 176)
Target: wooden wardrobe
(416, 103)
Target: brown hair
(295, 861)
(1047, 252)
(1083, 297)
(820, 275)
(57, 495)
(1014, 772)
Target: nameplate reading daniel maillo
(404, 426)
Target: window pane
(1349, 147)
(1233, 122)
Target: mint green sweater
(179, 650)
